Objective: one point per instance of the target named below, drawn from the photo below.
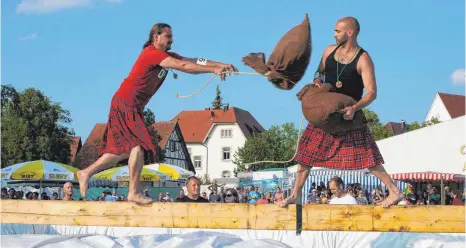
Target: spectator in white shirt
(336, 186)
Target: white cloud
(458, 76)
(30, 37)
(48, 6)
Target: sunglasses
(229, 195)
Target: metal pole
(442, 194)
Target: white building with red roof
(213, 137)
(446, 107)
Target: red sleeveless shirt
(145, 77)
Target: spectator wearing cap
(193, 186)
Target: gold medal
(339, 84)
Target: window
(226, 174)
(226, 133)
(197, 162)
(172, 145)
(226, 153)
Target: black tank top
(352, 84)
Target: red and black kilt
(347, 150)
(125, 130)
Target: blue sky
(79, 51)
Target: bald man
(67, 191)
(350, 69)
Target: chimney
(403, 126)
(226, 107)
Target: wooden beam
(445, 219)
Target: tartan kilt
(346, 150)
(125, 130)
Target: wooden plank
(448, 219)
(192, 215)
(420, 219)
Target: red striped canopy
(427, 176)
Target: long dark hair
(156, 29)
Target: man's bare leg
(302, 174)
(395, 194)
(136, 162)
(105, 161)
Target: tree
(378, 130)
(205, 179)
(415, 125)
(33, 127)
(275, 144)
(217, 102)
(149, 119)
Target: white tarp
(51, 236)
(436, 148)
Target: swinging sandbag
(321, 107)
(288, 61)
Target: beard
(342, 41)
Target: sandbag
(321, 107)
(288, 61)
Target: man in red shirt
(126, 136)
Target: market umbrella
(175, 172)
(39, 170)
(121, 174)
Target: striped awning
(427, 176)
(363, 177)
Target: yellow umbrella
(175, 172)
(121, 174)
(39, 170)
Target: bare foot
(83, 179)
(289, 200)
(139, 199)
(392, 199)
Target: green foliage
(415, 125)
(217, 102)
(33, 127)
(275, 144)
(149, 119)
(378, 130)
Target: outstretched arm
(207, 62)
(190, 67)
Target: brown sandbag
(321, 107)
(289, 60)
